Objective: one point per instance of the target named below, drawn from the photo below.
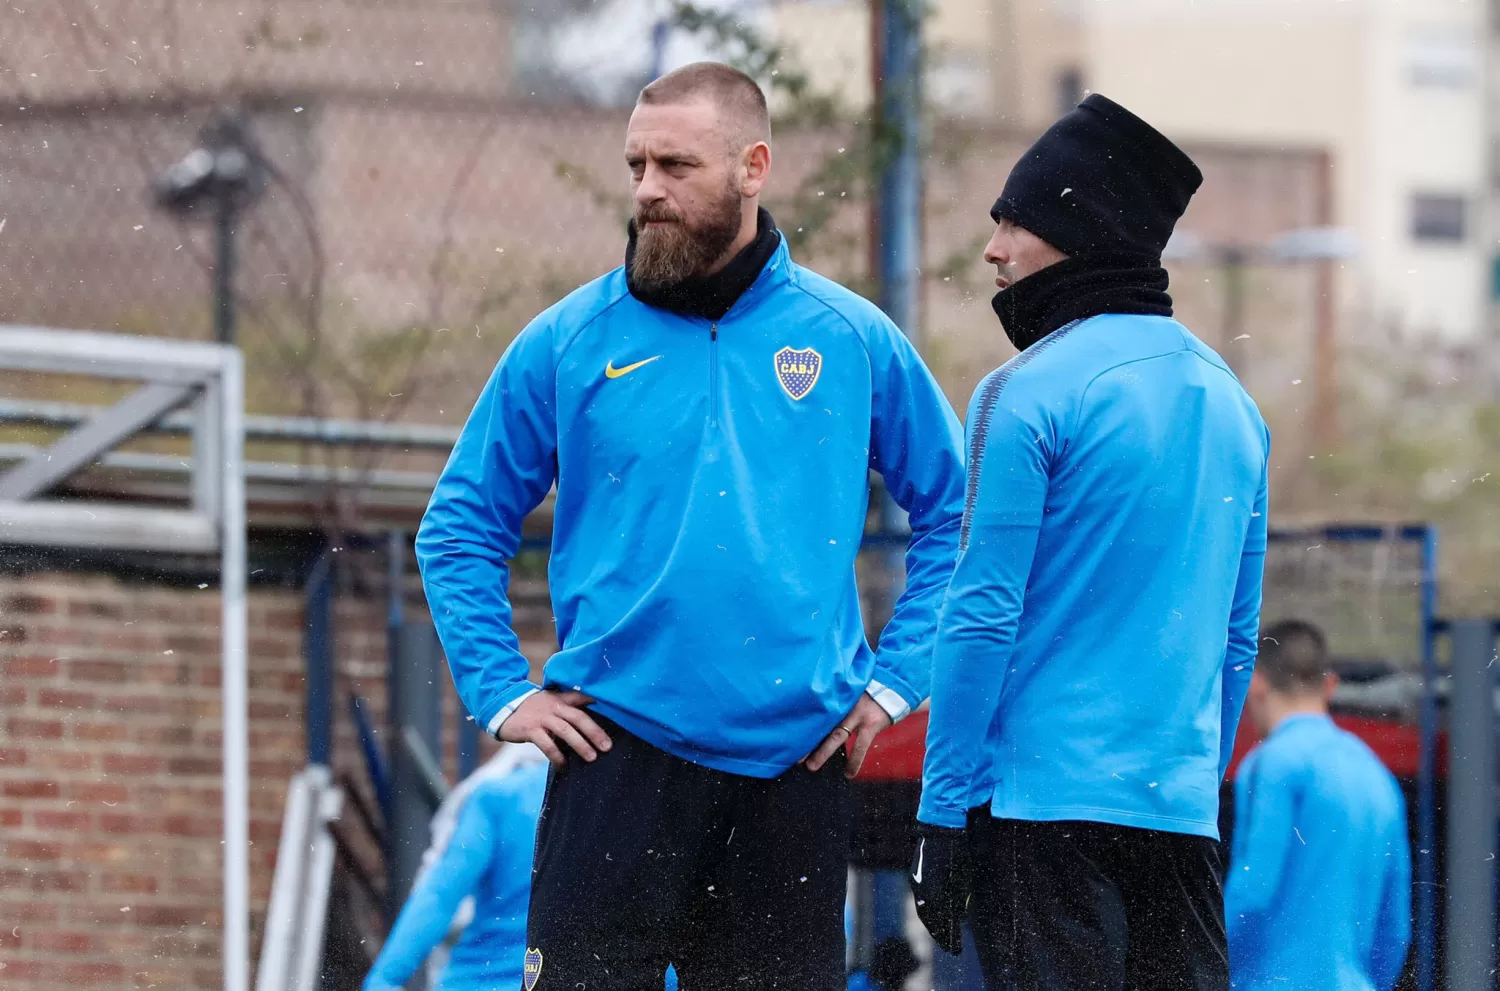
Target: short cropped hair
(737, 96)
(1293, 656)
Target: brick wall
(110, 800)
(110, 795)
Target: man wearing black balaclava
(1097, 638)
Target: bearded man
(710, 414)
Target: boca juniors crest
(532, 968)
(798, 371)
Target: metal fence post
(1472, 822)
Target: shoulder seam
(578, 332)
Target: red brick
(27, 910)
(31, 667)
(167, 736)
(33, 850)
(65, 820)
(32, 970)
(12, 757)
(12, 696)
(62, 760)
(55, 698)
(179, 825)
(89, 974)
(60, 942)
(11, 635)
(103, 854)
(104, 671)
(132, 884)
(167, 915)
(98, 791)
(10, 818)
(132, 764)
(124, 823)
(34, 729)
(28, 603)
(31, 788)
(94, 608)
(100, 732)
(193, 765)
(59, 881)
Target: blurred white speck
(1242, 337)
(138, 227)
(803, 879)
(833, 541)
(167, 652)
(203, 584)
(420, 63)
(1065, 192)
(1296, 381)
(2, 224)
(125, 909)
(296, 110)
(1151, 785)
(1229, 498)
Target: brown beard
(669, 255)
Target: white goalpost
(206, 380)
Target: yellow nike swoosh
(611, 372)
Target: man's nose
(650, 189)
(995, 252)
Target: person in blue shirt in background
(483, 837)
(1319, 891)
(476, 876)
(1099, 631)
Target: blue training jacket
(712, 488)
(1100, 628)
(489, 857)
(1319, 889)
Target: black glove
(940, 883)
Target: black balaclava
(710, 297)
(1105, 188)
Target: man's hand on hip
(940, 883)
(551, 718)
(861, 725)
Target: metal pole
(235, 682)
(317, 650)
(1472, 822)
(898, 237)
(224, 211)
(1425, 939)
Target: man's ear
(755, 169)
(1330, 685)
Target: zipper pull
(713, 332)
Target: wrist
(890, 700)
(508, 710)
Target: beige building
(1393, 90)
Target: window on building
(1439, 217)
(1069, 89)
(1442, 59)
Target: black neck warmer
(710, 296)
(1077, 288)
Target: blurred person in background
(1098, 634)
(476, 876)
(709, 413)
(1319, 891)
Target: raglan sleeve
(501, 469)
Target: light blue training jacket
(1319, 888)
(488, 857)
(1100, 627)
(712, 491)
